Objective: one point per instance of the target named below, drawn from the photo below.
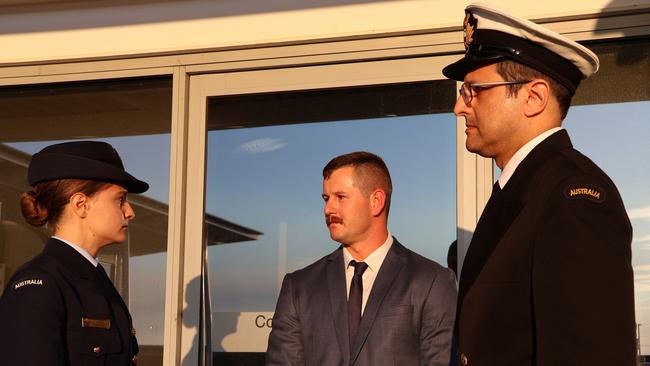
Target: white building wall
(193, 25)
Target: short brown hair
(513, 71)
(370, 170)
(46, 202)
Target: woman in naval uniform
(60, 308)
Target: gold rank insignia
(469, 26)
(95, 323)
(585, 192)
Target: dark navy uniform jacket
(547, 279)
(58, 309)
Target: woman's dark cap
(93, 160)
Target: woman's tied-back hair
(369, 169)
(45, 203)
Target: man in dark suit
(371, 301)
(547, 279)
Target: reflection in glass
(265, 157)
(134, 116)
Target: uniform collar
(69, 257)
(79, 249)
(521, 154)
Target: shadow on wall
(226, 331)
(192, 296)
(225, 324)
(106, 13)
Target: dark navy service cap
(93, 160)
(492, 35)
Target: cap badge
(469, 26)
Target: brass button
(464, 360)
(97, 349)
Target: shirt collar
(521, 154)
(81, 251)
(375, 259)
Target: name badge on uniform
(95, 323)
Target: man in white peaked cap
(547, 279)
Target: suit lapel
(500, 213)
(388, 272)
(338, 300)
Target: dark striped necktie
(355, 300)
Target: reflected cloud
(261, 146)
(639, 213)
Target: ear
(538, 93)
(377, 202)
(79, 204)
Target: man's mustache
(333, 220)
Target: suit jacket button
(97, 349)
(464, 360)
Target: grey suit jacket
(408, 319)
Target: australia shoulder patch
(35, 281)
(587, 192)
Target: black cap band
(491, 46)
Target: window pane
(133, 115)
(266, 153)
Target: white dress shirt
(521, 154)
(374, 262)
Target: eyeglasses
(467, 91)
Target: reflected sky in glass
(270, 179)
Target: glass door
(265, 137)
(133, 115)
